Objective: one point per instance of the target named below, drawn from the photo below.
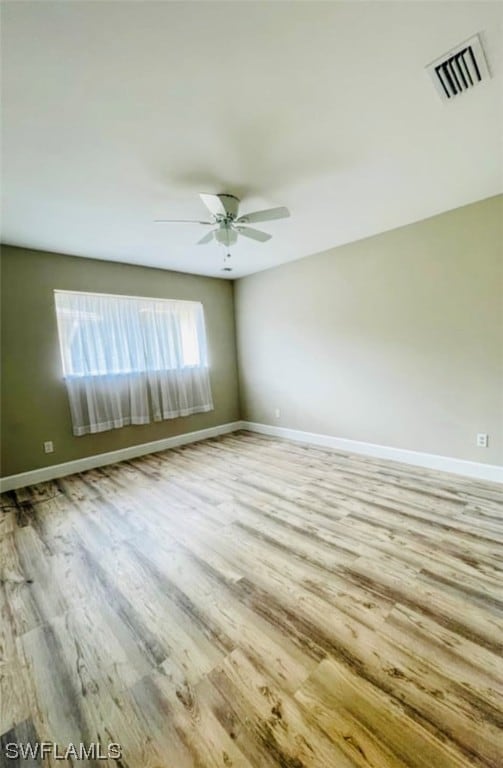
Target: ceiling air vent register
(459, 70)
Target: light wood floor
(252, 602)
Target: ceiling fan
(226, 223)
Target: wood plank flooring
(247, 602)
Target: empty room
(251, 384)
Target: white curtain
(131, 360)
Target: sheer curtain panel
(130, 360)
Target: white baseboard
(428, 460)
(11, 482)
(416, 458)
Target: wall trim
(11, 482)
(473, 469)
(490, 472)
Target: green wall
(34, 404)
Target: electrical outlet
(482, 440)
(48, 446)
(277, 413)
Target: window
(128, 360)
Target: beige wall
(34, 402)
(395, 340)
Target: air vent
(459, 70)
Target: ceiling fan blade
(268, 215)
(182, 221)
(255, 234)
(213, 204)
(206, 239)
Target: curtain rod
(123, 296)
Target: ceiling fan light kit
(227, 224)
(225, 235)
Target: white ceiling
(117, 113)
